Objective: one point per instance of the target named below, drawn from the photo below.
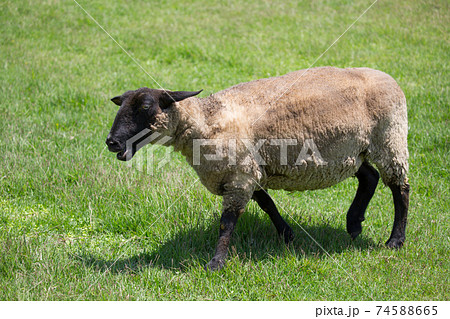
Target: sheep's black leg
(368, 179)
(401, 204)
(227, 223)
(233, 207)
(266, 203)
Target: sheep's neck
(190, 124)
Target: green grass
(75, 223)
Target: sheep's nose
(111, 142)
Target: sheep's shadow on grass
(255, 238)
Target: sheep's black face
(137, 112)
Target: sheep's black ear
(169, 97)
(117, 100)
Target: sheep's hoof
(288, 235)
(355, 234)
(354, 229)
(395, 243)
(215, 264)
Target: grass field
(76, 224)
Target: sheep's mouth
(125, 155)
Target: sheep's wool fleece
(333, 120)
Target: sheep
(305, 130)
